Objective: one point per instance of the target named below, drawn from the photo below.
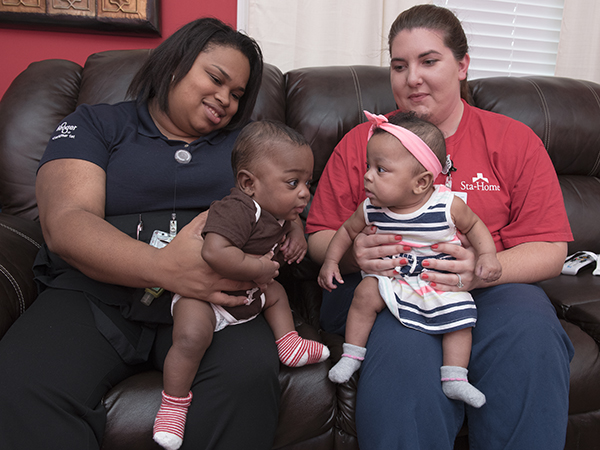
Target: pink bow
(413, 143)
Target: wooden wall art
(116, 16)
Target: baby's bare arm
(339, 245)
(294, 246)
(231, 262)
(344, 237)
(487, 266)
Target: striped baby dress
(412, 300)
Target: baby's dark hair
(428, 132)
(258, 140)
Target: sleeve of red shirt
(341, 187)
(537, 206)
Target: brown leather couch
(323, 104)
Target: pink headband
(410, 140)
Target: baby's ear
(245, 182)
(423, 182)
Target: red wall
(20, 47)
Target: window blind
(513, 38)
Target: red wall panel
(20, 47)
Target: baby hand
(294, 246)
(488, 268)
(329, 271)
(269, 270)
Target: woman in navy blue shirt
(111, 175)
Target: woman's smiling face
(207, 98)
(425, 76)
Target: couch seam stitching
(16, 287)
(546, 138)
(358, 93)
(595, 95)
(23, 235)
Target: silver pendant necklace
(183, 156)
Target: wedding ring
(460, 283)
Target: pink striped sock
(295, 351)
(169, 424)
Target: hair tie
(449, 166)
(413, 143)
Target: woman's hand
(462, 268)
(181, 269)
(369, 249)
(516, 264)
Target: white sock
(350, 362)
(456, 386)
(169, 423)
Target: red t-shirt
(502, 168)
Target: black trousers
(55, 367)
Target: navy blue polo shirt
(142, 174)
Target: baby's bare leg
(457, 348)
(277, 310)
(457, 352)
(193, 329)
(366, 304)
(194, 324)
(293, 350)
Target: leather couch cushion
(37, 100)
(324, 103)
(21, 239)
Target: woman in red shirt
(521, 354)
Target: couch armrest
(577, 300)
(21, 240)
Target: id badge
(160, 239)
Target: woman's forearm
(318, 243)
(100, 251)
(71, 198)
(531, 262)
(113, 257)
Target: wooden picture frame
(110, 16)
